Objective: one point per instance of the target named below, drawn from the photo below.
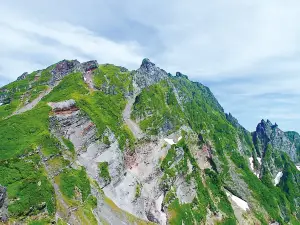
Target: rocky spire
(23, 76)
(267, 133)
(148, 74)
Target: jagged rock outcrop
(23, 76)
(267, 133)
(175, 164)
(63, 106)
(4, 98)
(63, 68)
(232, 120)
(148, 74)
(294, 137)
(179, 74)
(89, 65)
(75, 126)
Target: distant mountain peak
(148, 74)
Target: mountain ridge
(179, 157)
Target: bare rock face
(267, 133)
(23, 76)
(148, 74)
(2, 195)
(89, 65)
(62, 106)
(4, 98)
(62, 69)
(179, 74)
(3, 204)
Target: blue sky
(247, 53)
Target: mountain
(83, 143)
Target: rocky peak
(89, 65)
(264, 129)
(148, 74)
(23, 76)
(267, 133)
(232, 120)
(179, 74)
(147, 64)
(63, 68)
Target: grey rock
(61, 106)
(237, 186)
(89, 65)
(23, 76)
(267, 133)
(167, 126)
(2, 195)
(3, 204)
(232, 120)
(76, 127)
(62, 69)
(123, 69)
(148, 74)
(179, 74)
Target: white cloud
(56, 41)
(245, 51)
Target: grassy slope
(205, 116)
(201, 112)
(22, 134)
(156, 106)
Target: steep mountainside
(83, 143)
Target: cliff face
(267, 133)
(103, 145)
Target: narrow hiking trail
(32, 104)
(88, 79)
(133, 126)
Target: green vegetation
(158, 111)
(69, 144)
(204, 113)
(138, 191)
(104, 172)
(215, 187)
(169, 159)
(97, 105)
(27, 186)
(20, 90)
(157, 107)
(207, 196)
(8, 109)
(69, 179)
(274, 200)
(45, 76)
(113, 79)
(22, 133)
(35, 92)
(106, 140)
(40, 222)
(85, 212)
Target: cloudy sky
(247, 52)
